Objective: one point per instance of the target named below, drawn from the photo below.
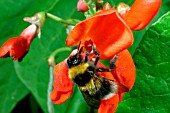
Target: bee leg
(97, 55)
(95, 52)
(103, 70)
(86, 57)
(113, 62)
(111, 67)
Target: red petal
(19, 49)
(125, 72)
(62, 84)
(60, 97)
(107, 31)
(109, 105)
(14, 47)
(29, 34)
(121, 96)
(6, 47)
(141, 13)
(108, 75)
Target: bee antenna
(81, 49)
(91, 42)
(79, 46)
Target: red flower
(110, 31)
(63, 86)
(106, 29)
(17, 47)
(124, 74)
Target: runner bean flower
(18, 47)
(106, 29)
(124, 73)
(110, 31)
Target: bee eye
(73, 61)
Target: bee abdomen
(106, 89)
(82, 79)
(101, 93)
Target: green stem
(51, 59)
(92, 8)
(58, 19)
(51, 62)
(49, 103)
(98, 4)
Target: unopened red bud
(82, 6)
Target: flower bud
(38, 19)
(106, 6)
(82, 6)
(17, 47)
(122, 8)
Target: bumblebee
(84, 73)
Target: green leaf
(151, 91)
(33, 71)
(11, 89)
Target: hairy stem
(51, 59)
(51, 62)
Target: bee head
(75, 59)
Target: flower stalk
(98, 4)
(58, 19)
(92, 8)
(52, 63)
(51, 59)
(49, 102)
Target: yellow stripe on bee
(77, 70)
(91, 86)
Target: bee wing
(116, 87)
(91, 101)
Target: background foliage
(23, 86)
